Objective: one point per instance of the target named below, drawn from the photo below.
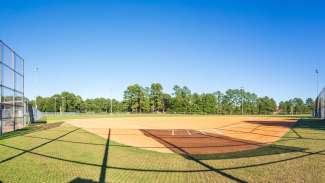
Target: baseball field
(166, 149)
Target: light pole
(317, 82)
(36, 82)
(111, 106)
(317, 92)
(55, 105)
(242, 100)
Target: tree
(134, 96)
(219, 98)
(209, 103)
(285, 107)
(298, 106)
(250, 103)
(182, 99)
(146, 102)
(266, 105)
(70, 102)
(156, 97)
(309, 106)
(196, 103)
(153, 99)
(166, 101)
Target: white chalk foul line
(218, 132)
(188, 132)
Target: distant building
(320, 105)
(12, 101)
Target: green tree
(298, 106)
(167, 102)
(182, 99)
(134, 97)
(196, 103)
(309, 106)
(156, 97)
(266, 105)
(285, 107)
(219, 98)
(208, 104)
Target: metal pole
(55, 106)
(36, 70)
(242, 100)
(23, 72)
(317, 82)
(1, 66)
(317, 93)
(111, 105)
(61, 107)
(14, 96)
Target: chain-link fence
(12, 113)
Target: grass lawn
(61, 153)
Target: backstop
(320, 105)
(12, 110)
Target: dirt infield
(190, 135)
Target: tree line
(153, 99)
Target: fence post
(14, 87)
(1, 90)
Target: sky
(97, 48)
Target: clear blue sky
(97, 48)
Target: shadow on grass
(81, 180)
(35, 127)
(103, 169)
(264, 151)
(40, 122)
(272, 123)
(316, 124)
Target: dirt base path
(193, 135)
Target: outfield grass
(48, 153)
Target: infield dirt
(190, 134)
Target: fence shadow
(262, 151)
(272, 123)
(317, 124)
(184, 152)
(81, 180)
(30, 129)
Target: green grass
(53, 153)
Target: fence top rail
(4, 44)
